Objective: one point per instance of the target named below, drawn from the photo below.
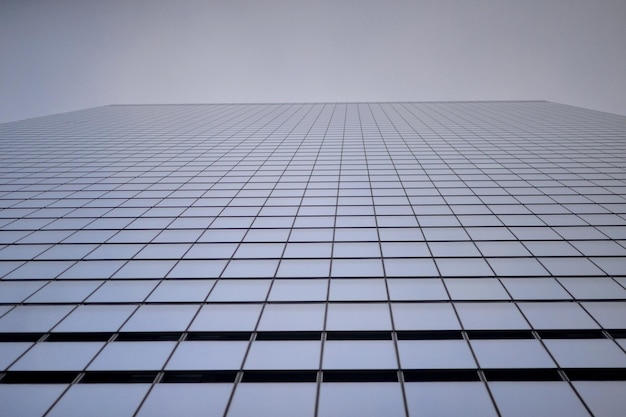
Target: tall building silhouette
(361, 259)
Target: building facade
(361, 259)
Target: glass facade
(366, 259)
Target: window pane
(364, 399)
(424, 316)
(604, 398)
(537, 398)
(490, 316)
(358, 317)
(285, 354)
(189, 400)
(208, 355)
(160, 318)
(448, 399)
(28, 399)
(279, 317)
(511, 354)
(132, 356)
(435, 354)
(100, 400)
(58, 356)
(227, 317)
(557, 316)
(359, 354)
(273, 400)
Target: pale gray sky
(70, 54)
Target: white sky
(65, 55)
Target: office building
(361, 259)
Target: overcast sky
(63, 55)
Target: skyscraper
(363, 259)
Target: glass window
(211, 251)
(133, 356)
(197, 269)
(404, 234)
(299, 290)
(95, 318)
(359, 354)
(416, 289)
(512, 353)
(453, 249)
(122, 291)
(354, 235)
(22, 252)
(58, 356)
(490, 233)
(279, 399)
(64, 292)
(231, 235)
(160, 318)
(424, 316)
(463, 267)
(599, 248)
(163, 251)
(555, 315)
(490, 316)
(129, 236)
(502, 248)
(190, 400)
(115, 251)
(410, 267)
(571, 266)
(294, 268)
(363, 399)
(308, 250)
(405, 249)
(260, 250)
(258, 268)
(476, 289)
(145, 269)
(16, 291)
(171, 236)
(536, 398)
(33, 319)
(309, 235)
(604, 398)
(358, 317)
(445, 234)
(435, 354)
(40, 270)
(516, 267)
(356, 250)
(535, 289)
(610, 315)
(448, 399)
(279, 317)
(357, 289)
(100, 400)
(284, 354)
(208, 355)
(586, 353)
(240, 290)
(593, 288)
(92, 270)
(181, 290)
(551, 248)
(612, 266)
(28, 399)
(10, 351)
(226, 317)
(356, 267)
(356, 221)
(65, 252)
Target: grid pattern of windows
(397, 259)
